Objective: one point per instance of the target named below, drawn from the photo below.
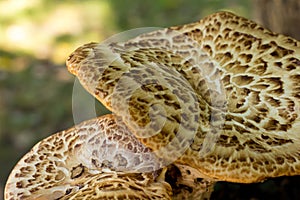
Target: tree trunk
(281, 16)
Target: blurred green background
(36, 37)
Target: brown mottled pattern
(83, 160)
(98, 159)
(245, 78)
(260, 73)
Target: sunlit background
(36, 37)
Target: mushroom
(98, 159)
(217, 99)
(93, 160)
(221, 95)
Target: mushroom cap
(220, 95)
(96, 159)
(100, 159)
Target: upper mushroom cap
(231, 84)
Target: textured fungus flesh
(99, 159)
(224, 86)
(96, 159)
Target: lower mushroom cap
(100, 159)
(95, 159)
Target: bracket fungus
(215, 100)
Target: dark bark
(281, 16)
